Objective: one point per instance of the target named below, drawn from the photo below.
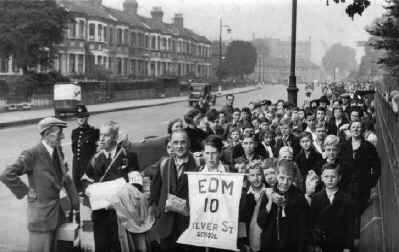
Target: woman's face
(356, 129)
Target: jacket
(167, 221)
(45, 180)
(313, 162)
(284, 233)
(335, 220)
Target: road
(136, 123)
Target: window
(100, 32)
(153, 42)
(125, 37)
(80, 63)
(92, 31)
(99, 60)
(72, 30)
(119, 65)
(105, 33)
(119, 36)
(164, 43)
(111, 35)
(81, 29)
(4, 65)
(72, 63)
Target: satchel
(173, 203)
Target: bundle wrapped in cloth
(101, 193)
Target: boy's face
(267, 138)
(255, 178)
(301, 114)
(284, 180)
(330, 178)
(248, 144)
(321, 133)
(285, 130)
(264, 126)
(320, 115)
(236, 115)
(331, 152)
(241, 168)
(248, 132)
(306, 143)
(255, 124)
(270, 176)
(235, 136)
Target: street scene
(253, 126)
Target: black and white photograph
(199, 125)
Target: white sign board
(67, 92)
(214, 200)
(101, 193)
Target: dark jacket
(291, 141)
(84, 146)
(45, 180)
(332, 128)
(260, 152)
(335, 221)
(313, 162)
(292, 229)
(361, 172)
(168, 221)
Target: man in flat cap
(47, 175)
(84, 145)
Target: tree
(369, 69)
(31, 30)
(240, 58)
(341, 58)
(385, 37)
(356, 7)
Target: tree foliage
(30, 31)
(240, 58)
(385, 37)
(339, 57)
(355, 7)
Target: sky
(323, 25)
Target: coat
(313, 162)
(335, 220)
(292, 142)
(332, 128)
(170, 222)
(45, 181)
(362, 172)
(292, 229)
(84, 146)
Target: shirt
(48, 148)
(256, 193)
(220, 168)
(110, 154)
(331, 195)
(179, 165)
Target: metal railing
(388, 148)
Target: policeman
(84, 145)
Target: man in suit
(170, 179)
(47, 176)
(84, 145)
(113, 161)
(228, 108)
(287, 138)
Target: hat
(81, 111)
(324, 99)
(135, 178)
(48, 122)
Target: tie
(56, 164)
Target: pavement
(18, 118)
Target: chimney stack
(178, 20)
(157, 13)
(130, 7)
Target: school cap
(48, 122)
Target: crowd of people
(309, 172)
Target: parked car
(201, 90)
(66, 98)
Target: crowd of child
(308, 171)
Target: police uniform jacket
(46, 177)
(84, 145)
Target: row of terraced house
(127, 44)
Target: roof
(86, 8)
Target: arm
(10, 176)
(155, 188)
(266, 211)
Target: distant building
(127, 44)
(273, 62)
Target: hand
(278, 199)
(311, 182)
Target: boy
(307, 158)
(283, 214)
(269, 172)
(332, 212)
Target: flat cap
(48, 122)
